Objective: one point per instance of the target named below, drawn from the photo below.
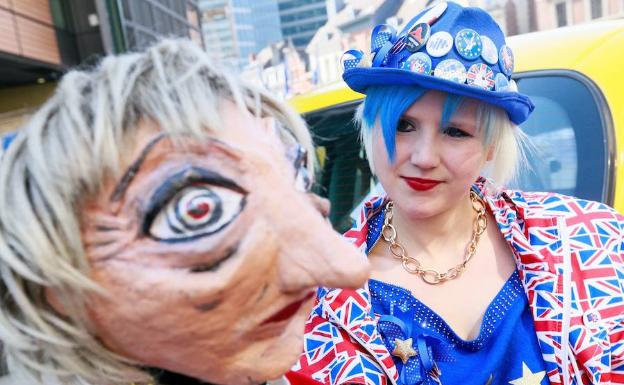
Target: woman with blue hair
(471, 283)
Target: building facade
(41, 39)
(281, 69)
(561, 13)
(300, 19)
(29, 50)
(235, 30)
(144, 21)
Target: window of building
(596, 8)
(289, 4)
(561, 14)
(144, 21)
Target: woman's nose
(312, 253)
(424, 151)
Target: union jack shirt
(570, 258)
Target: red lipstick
(421, 184)
(288, 311)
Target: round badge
(351, 59)
(433, 14)
(417, 37)
(500, 82)
(468, 44)
(418, 62)
(451, 69)
(489, 53)
(439, 44)
(398, 46)
(591, 319)
(506, 60)
(480, 75)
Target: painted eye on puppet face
(192, 204)
(299, 158)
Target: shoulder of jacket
(560, 205)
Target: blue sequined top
(506, 351)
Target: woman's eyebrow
(127, 177)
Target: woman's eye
(455, 132)
(196, 211)
(404, 126)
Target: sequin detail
(384, 295)
(374, 230)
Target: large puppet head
(156, 214)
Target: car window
(344, 176)
(569, 136)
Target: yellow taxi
(575, 77)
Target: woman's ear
(490, 154)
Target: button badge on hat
(417, 37)
(506, 60)
(468, 44)
(439, 44)
(489, 53)
(480, 75)
(451, 69)
(418, 62)
(500, 82)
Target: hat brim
(517, 105)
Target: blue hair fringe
(389, 103)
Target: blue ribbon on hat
(417, 369)
(379, 51)
(381, 34)
(352, 63)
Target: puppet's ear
(55, 302)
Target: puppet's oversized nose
(312, 253)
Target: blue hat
(447, 47)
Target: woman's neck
(433, 238)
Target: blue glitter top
(506, 351)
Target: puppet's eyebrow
(127, 177)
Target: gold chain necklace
(413, 266)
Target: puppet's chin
(271, 358)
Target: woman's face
(211, 255)
(434, 166)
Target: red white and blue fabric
(570, 258)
